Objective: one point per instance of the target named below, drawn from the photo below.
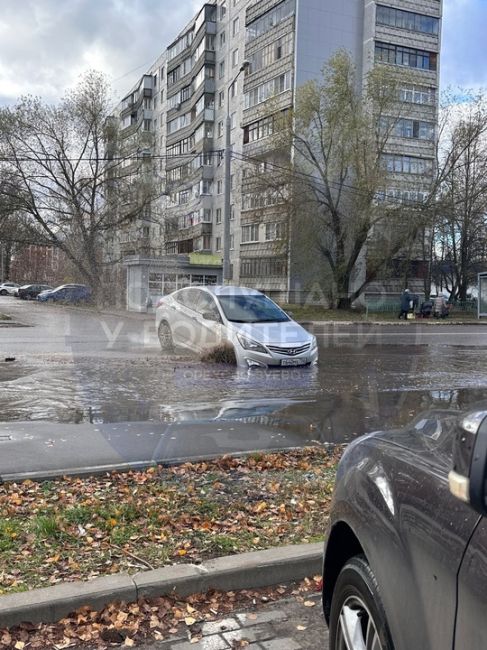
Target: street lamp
(227, 206)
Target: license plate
(293, 362)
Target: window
(273, 231)
(232, 242)
(417, 94)
(398, 164)
(206, 187)
(407, 128)
(218, 243)
(262, 267)
(221, 99)
(233, 120)
(147, 125)
(259, 200)
(218, 215)
(258, 130)
(221, 70)
(180, 45)
(231, 181)
(233, 89)
(272, 52)
(223, 10)
(235, 57)
(406, 56)
(180, 122)
(395, 195)
(250, 233)
(235, 26)
(220, 128)
(222, 39)
(273, 87)
(232, 212)
(206, 72)
(219, 187)
(406, 20)
(270, 19)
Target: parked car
(406, 556)
(31, 291)
(8, 288)
(260, 332)
(66, 293)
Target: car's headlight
(314, 343)
(252, 346)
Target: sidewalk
(263, 599)
(286, 625)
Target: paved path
(285, 625)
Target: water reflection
(352, 391)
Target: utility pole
(227, 276)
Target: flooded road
(72, 366)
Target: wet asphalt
(104, 395)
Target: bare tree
(460, 243)
(57, 172)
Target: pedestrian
(406, 304)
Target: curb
(243, 571)
(384, 323)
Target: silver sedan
(258, 330)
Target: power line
(108, 160)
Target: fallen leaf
(309, 603)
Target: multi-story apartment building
(176, 117)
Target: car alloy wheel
(165, 337)
(357, 630)
(357, 618)
(3, 292)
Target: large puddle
(353, 390)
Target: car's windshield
(251, 309)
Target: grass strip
(79, 528)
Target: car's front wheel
(165, 337)
(3, 292)
(357, 618)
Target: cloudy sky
(46, 44)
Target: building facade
(174, 120)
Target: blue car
(66, 293)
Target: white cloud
(46, 44)
(464, 56)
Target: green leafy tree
(338, 134)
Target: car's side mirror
(468, 477)
(208, 315)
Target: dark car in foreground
(405, 564)
(66, 293)
(31, 291)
